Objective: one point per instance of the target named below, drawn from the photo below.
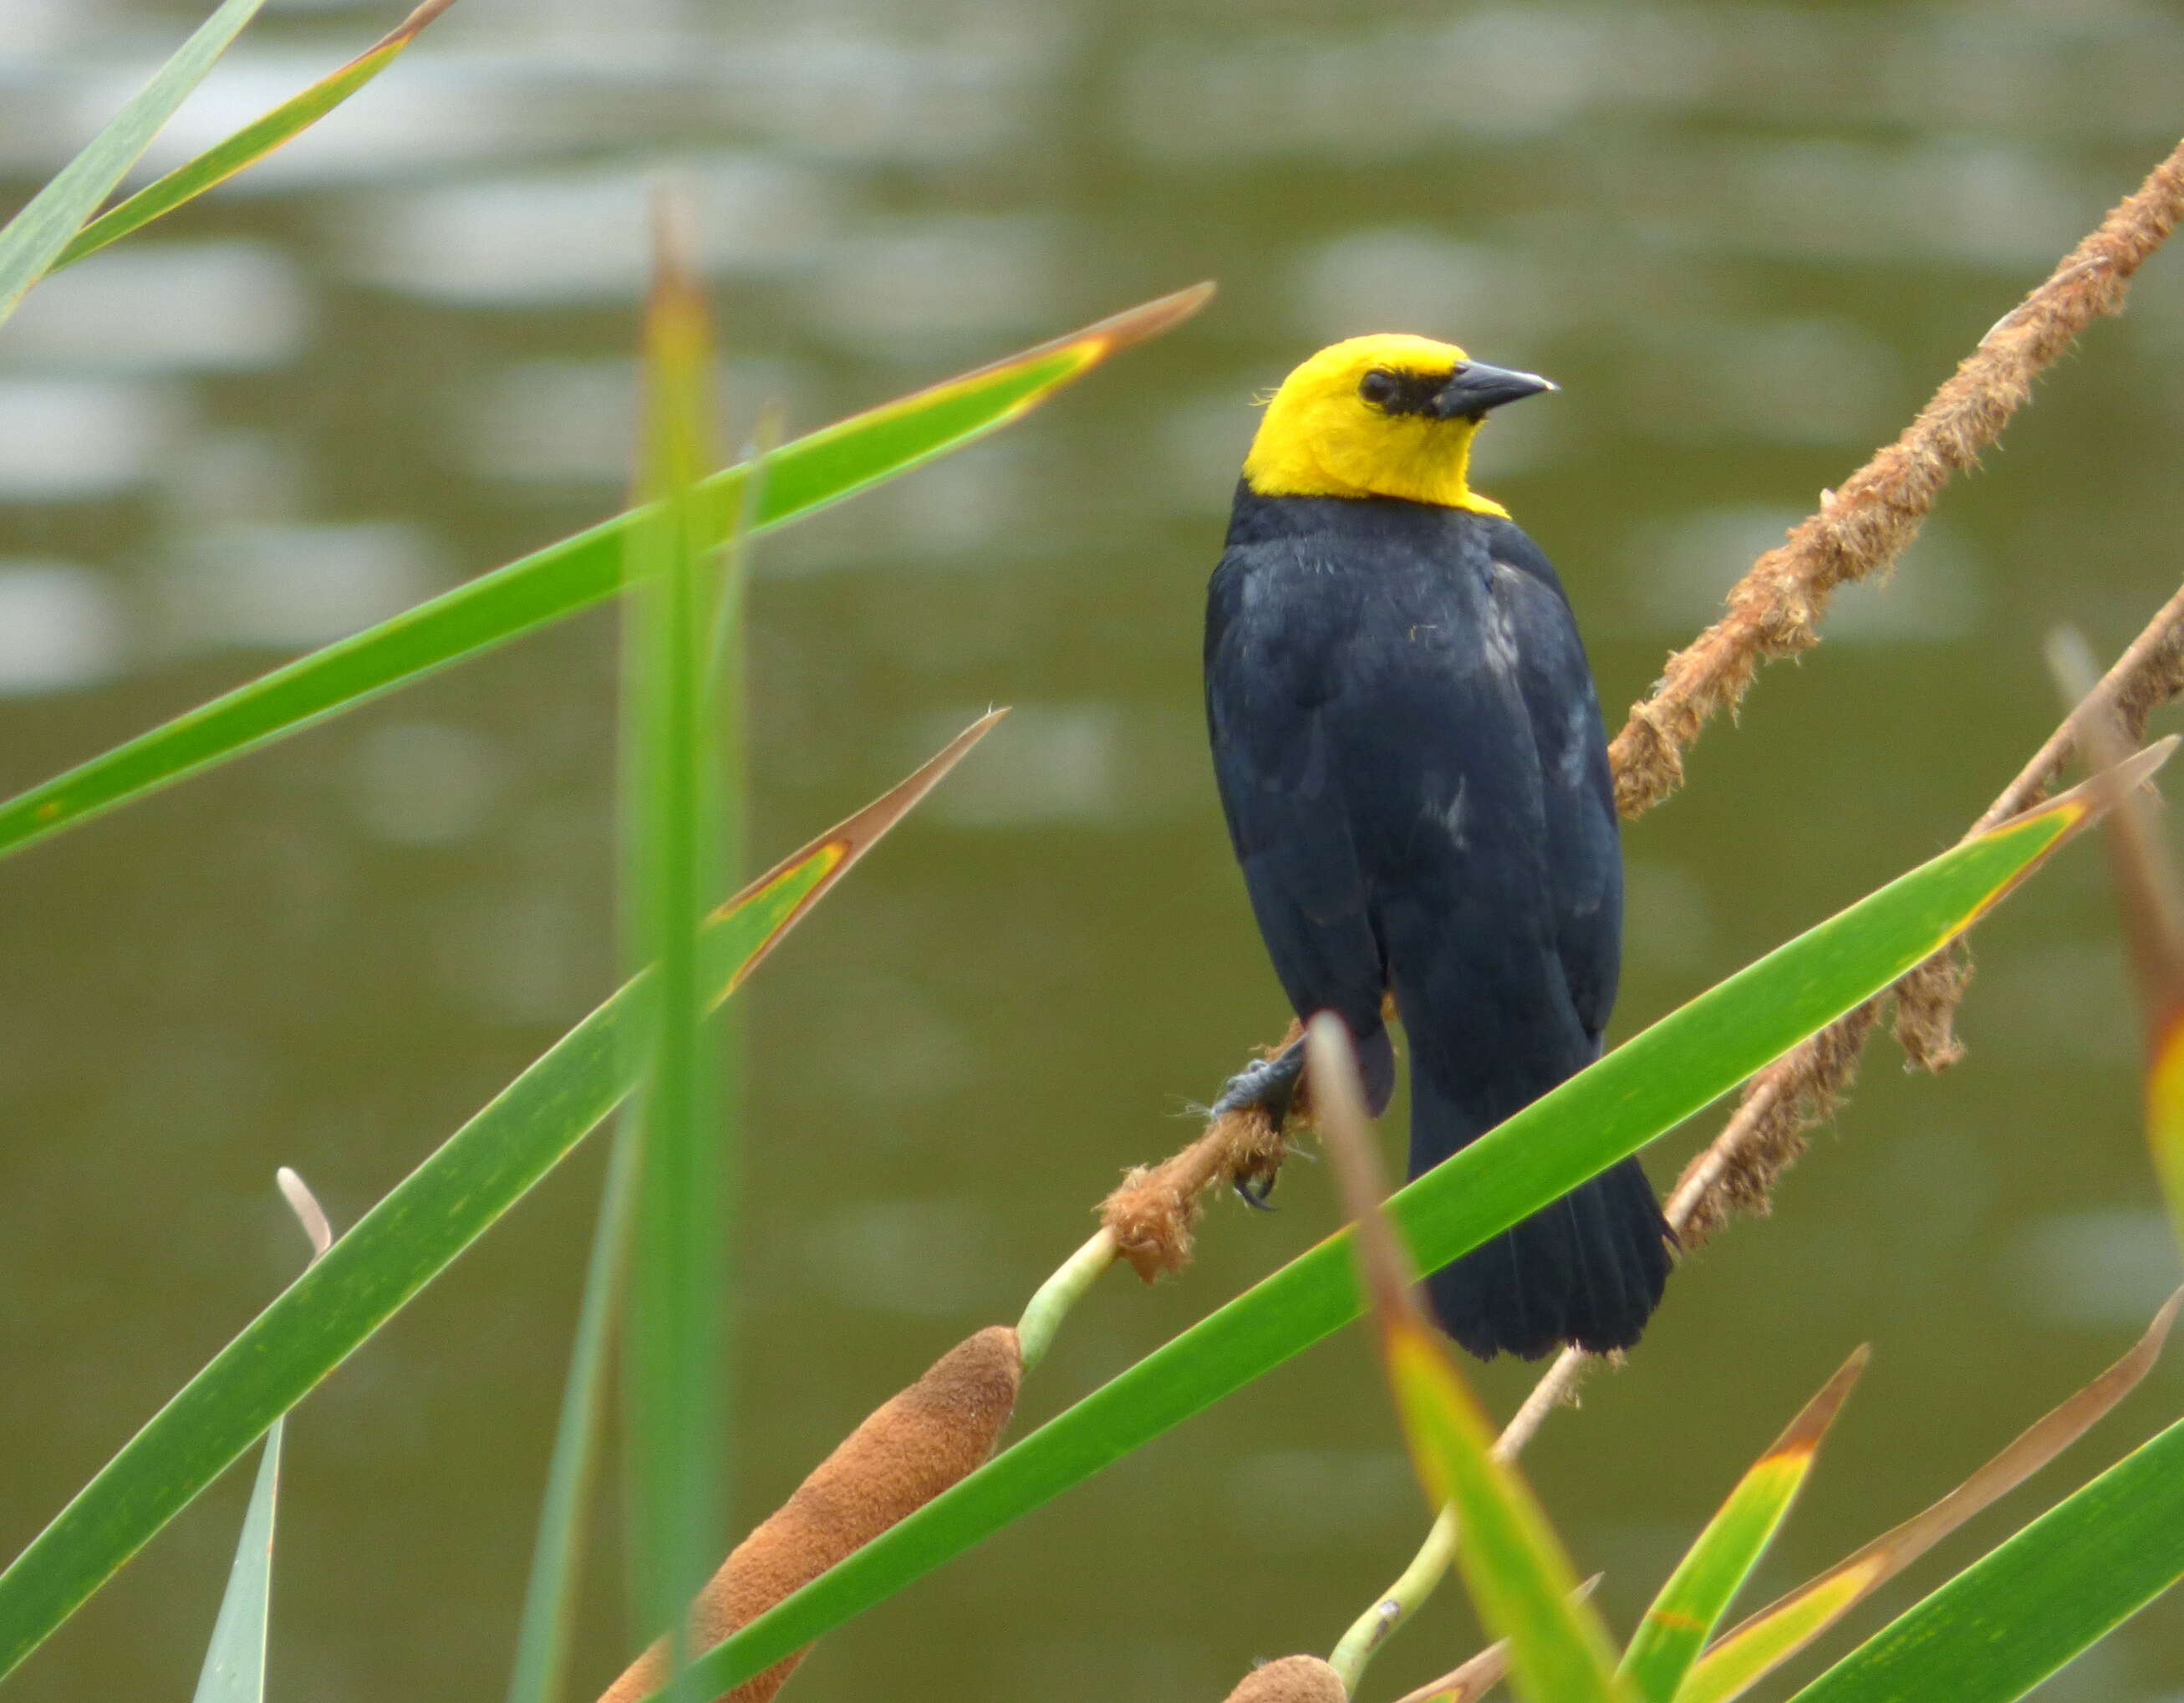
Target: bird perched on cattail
(1411, 762)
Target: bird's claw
(1257, 1191)
(1266, 1086)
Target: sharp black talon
(1256, 1192)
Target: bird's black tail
(1588, 1270)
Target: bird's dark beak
(1475, 387)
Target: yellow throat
(1323, 438)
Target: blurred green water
(1747, 240)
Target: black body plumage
(1411, 759)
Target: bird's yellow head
(1387, 415)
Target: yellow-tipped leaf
(250, 144)
(1683, 1617)
(1778, 1632)
(801, 477)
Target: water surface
(1748, 241)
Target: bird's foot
(1267, 1087)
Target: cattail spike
(909, 1451)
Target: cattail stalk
(1865, 524)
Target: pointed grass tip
(861, 830)
(408, 30)
(842, 844)
(2078, 809)
(1765, 1639)
(674, 238)
(1096, 342)
(1147, 319)
(1802, 1436)
(2087, 802)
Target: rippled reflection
(1747, 240)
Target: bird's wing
(1487, 847)
(1583, 858)
(1266, 682)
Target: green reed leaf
(402, 1244)
(2028, 1608)
(249, 145)
(802, 477)
(673, 1349)
(1513, 1563)
(1684, 1615)
(35, 237)
(234, 1670)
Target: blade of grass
(32, 239)
(1673, 1633)
(234, 1670)
(542, 1638)
(249, 145)
(802, 478)
(1643, 1088)
(673, 1349)
(1770, 1638)
(1513, 1563)
(2029, 1607)
(402, 1243)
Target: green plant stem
(1050, 1305)
(1396, 1603)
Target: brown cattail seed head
(1293, 1679)
(910, 1451)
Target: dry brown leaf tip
(1293, 1679)
(907, 1452)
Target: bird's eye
(1380, 387)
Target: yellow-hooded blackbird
(1411, 761)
